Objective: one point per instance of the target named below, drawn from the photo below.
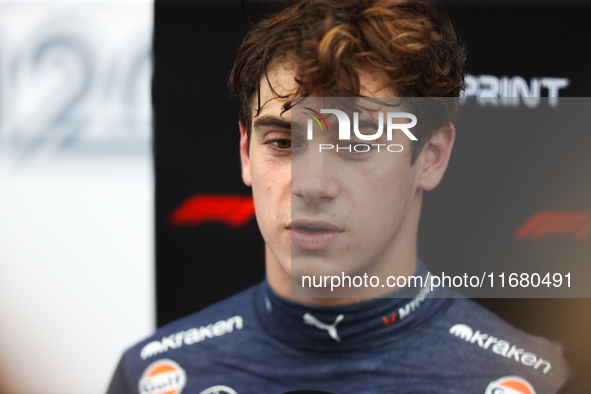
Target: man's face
(328, 213)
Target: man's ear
(244, 156)
(436, 153)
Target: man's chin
(317, 266)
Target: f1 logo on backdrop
(233, 210)
(545, 223)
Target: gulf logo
(510, 385)
(163, 376)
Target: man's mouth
(312, 234)
(311, 229)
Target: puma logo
(331, 328)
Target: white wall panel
(76, 192)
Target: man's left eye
(282, 143)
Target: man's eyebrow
(271, 121)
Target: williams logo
(163, 377)
(510, 385)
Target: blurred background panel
(76, 191)
(201, 257)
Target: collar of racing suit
(373, 322)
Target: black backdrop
(201, 260)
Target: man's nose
(314, 178)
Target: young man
(318, 214)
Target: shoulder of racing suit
(493, 346)
(459, 347)
(209, 329)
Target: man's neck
(280, 281)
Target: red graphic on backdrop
(544, 223)
(235, 211)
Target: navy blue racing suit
(259, 342)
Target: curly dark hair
(409, 40)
